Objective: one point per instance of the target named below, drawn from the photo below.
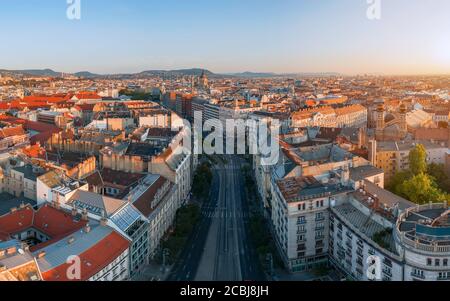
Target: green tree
(437, 171)
(202, 181)
(418, 160)
(397, 180)
(421, 189)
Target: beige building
(20, 181)
(393, 157)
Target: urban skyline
(243, 141)
(411, 37)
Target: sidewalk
(281, 275)
(153, 272)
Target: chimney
(71, 240)
(2, 253)
(87, 228)
(41, 255)
(103, 222)
(84, 215)
(376, 203)
(74, 212)
(11, 251)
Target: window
(301, 229)
(445, 262)
(302, 207)
(444, 276)
(387, 262)
(429, 261)
(349, 235)
(319, 216)
(301, 220)
(300, 238)
(437, 262)
(418, 273)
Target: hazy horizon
(228, 36)
(238, 72)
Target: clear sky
(412, 36)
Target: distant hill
(35, 72)
(163, 73)
(180, 72)
(87, 74)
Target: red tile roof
(50, 221)
(35, 152)
(87, 95)
(85, 107)
(17, 221)
(45, 130)
(54, 222)
(143, 204)
(47, 98)
(11, 132)
(93, 260)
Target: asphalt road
(219, 248)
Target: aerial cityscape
(225, 141)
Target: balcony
(418, 276)
(388, 263)
(387, 272)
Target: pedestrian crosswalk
(220, 214)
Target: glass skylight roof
(126, 217)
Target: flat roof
(142, 149)
(362, 172)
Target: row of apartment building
(328, 207)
